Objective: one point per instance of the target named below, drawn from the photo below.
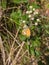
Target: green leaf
(24, 17)
(47, 31)
(36, 43)
(3, 4)
(32, 28)
(22, 37)
(47, 5)
(38, 53)
(27, 46)
(19, 1)
(16, 17)
(19, 13)
(47, 28)
(13, 15)
(35, 5)
(32, 51)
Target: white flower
(23, 21)
(24, 26)
(32, 18)
(33, 9)
(29, 16)
(35, 13)
(27, 12)
(30, 7)
(30, 11)
(36, 24)
(38, 20)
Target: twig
(23, 55)
(15, 37)
(14, 61)
(2, 50)
(11, 35)
(11, 53)
(10, 8)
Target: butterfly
(26, 32)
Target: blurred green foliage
(33, 21)
(3, 4)
(20, 1)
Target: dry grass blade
(12, 49)
(11, 35)
(15, 37)
(14, 61)
(22, 55)
(11, 53)
(2, 50)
